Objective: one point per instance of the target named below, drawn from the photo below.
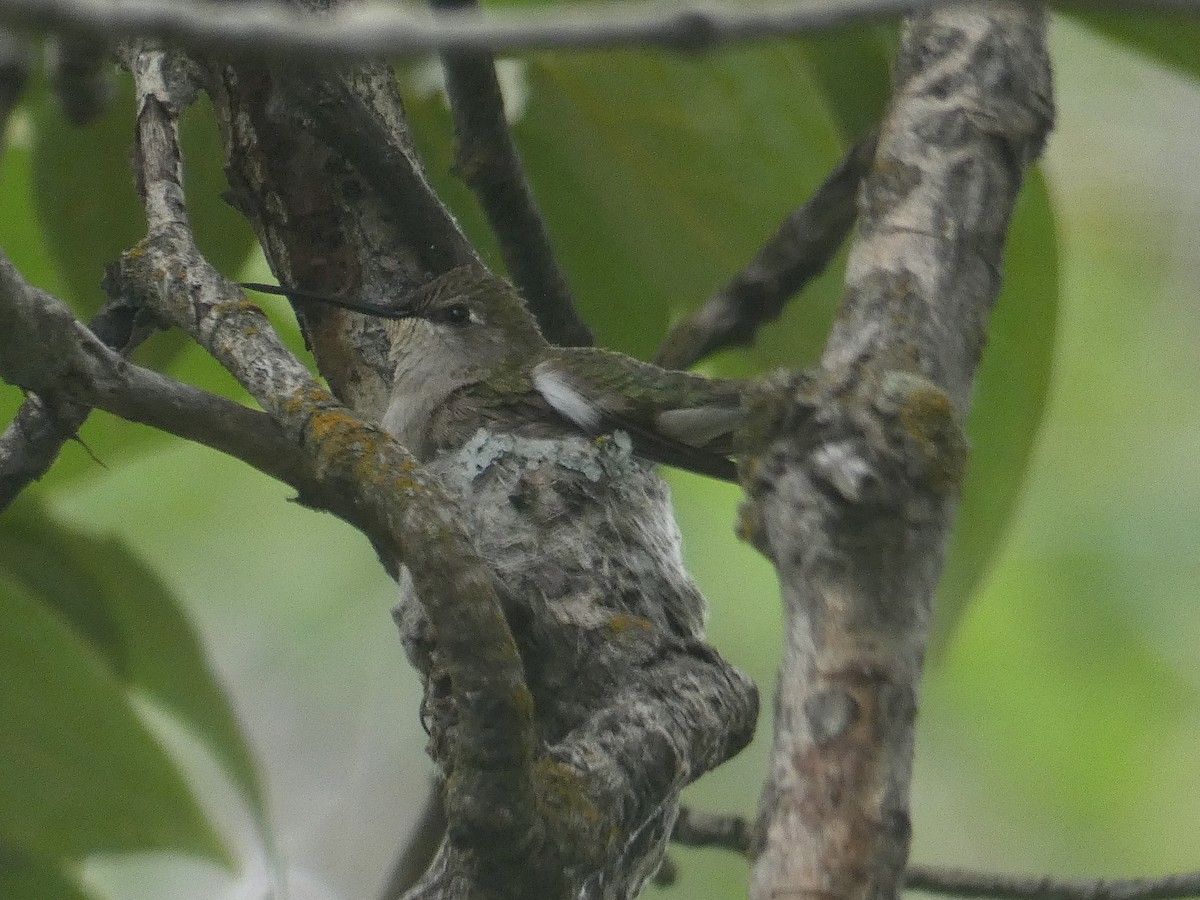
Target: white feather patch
(565, 399)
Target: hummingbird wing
(674, 418)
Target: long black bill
(359, 306)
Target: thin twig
(728, 832)
(798, 252)
(700, 829)
(488, 160)
(266, 30)
(961, 883)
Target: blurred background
(1059, 729)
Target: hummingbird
(546, 452)
(469, 355)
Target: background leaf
(130, 622)
(81, 772)
(1172, 40)
(1013, 385)
(29, 877)
(84, 192)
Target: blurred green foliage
(1058, 731)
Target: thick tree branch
(323, 167)
(854, 481)
(487, 158)
(798, 252)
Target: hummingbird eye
(458, 314)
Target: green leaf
(86, 201)
(1014, 380)
(79, 772)
(660, 175)
(131, 622)
(30, 877)
(67, 215)
(90, 211)
(1171, 39)
(853, 70)
(222, 234)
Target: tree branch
(694, 829)
(405, 511)
(699, 829)
(262, 30)
(488, 160)
(855, 469)
(33, 440)
(46, 350)
(798, 252)
(960, 883)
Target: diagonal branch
(36, 435)
(404, 510)
(488, 160)
(46, 350)
(798, 252)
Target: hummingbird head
(462, 326)
(459, 329)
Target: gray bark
(857, 466)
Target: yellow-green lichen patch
(523, 703)
(748, 522)
(341, 442)
(926, 413)
(623, 623)
(563, 794)
(927, 417)
(233, 307)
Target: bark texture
(629, 703)
(857, 467)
